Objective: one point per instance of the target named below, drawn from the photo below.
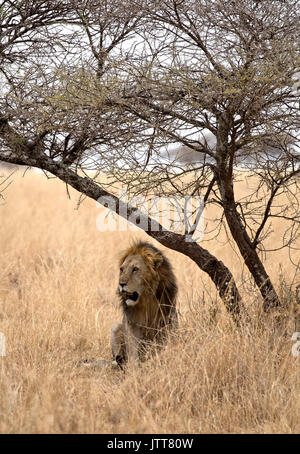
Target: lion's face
(132, 282)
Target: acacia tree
(62, 108)
(108, 86)
(228, 69)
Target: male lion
(147, 292)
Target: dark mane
(167, 288)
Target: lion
(147, 292)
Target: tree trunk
(250, 256)
(223, 173)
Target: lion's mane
(156, 310)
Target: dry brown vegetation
(58, 302)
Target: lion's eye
(121, 269)
(134, 269)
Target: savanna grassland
(58, 301)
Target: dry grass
(57, 303)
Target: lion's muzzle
(130, 298)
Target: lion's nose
(122, 285)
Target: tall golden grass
(58, 302)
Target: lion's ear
(158, 259)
